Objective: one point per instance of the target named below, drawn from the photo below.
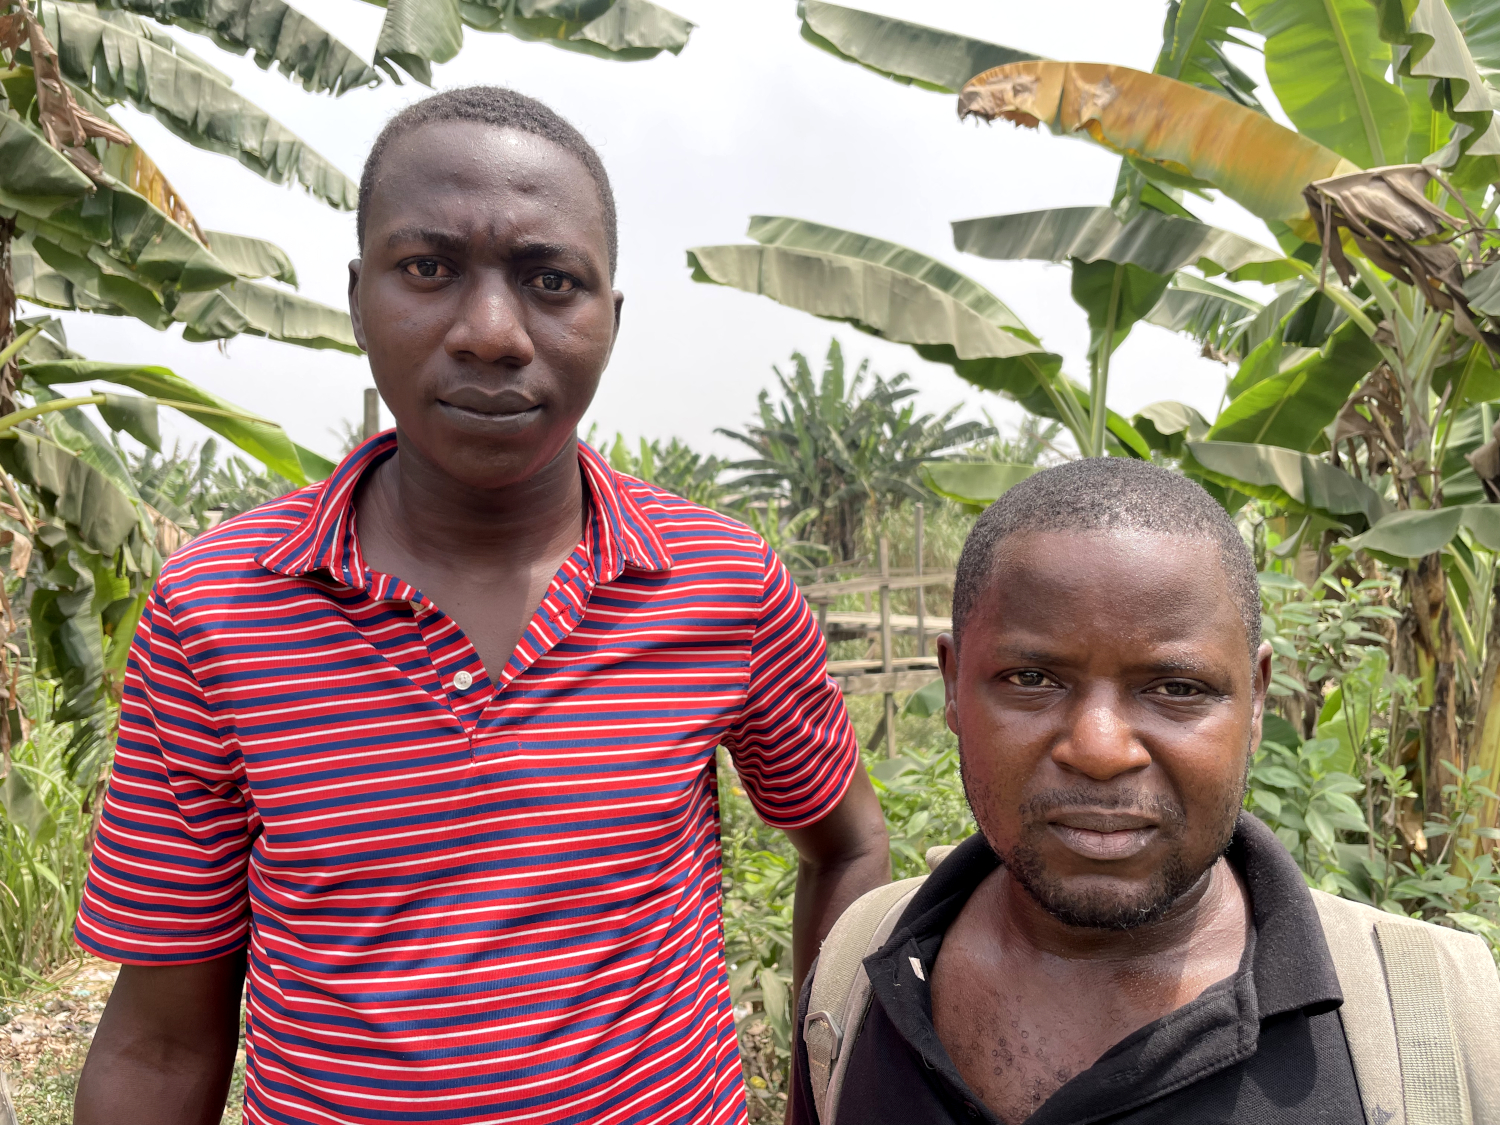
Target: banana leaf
(251, 257)
(881, 299)
(418, 33)
(117, 64)
(975, 483)
(903, 52)
(1435, 50)
(275, 32)
(771, 230)
(265, 441)
(1290, 409)
(262, 310)
(1292, 479)
(1214, 316)
(74, 431)
(1160, 243)
(1193, 134)
(1192, 50)
(80, 494)
(1166, 426)
(1327, 65)
(1413, 534)
(55, 278)
(37, 178)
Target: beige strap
(1421, 1008)
(1430, 1075)
(840, 993)
(1366, 1013)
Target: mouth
(507, 409)
(1103, 836)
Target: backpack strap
(840, 994)
(1420, 1006)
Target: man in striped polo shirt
(423, 756)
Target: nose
(491, 323)
(1100, 742)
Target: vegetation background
(1345, 298)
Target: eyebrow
(1165, 665)
(453, 242)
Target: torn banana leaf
(274, 32)
(117, 64)
(1202, 138)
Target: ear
(1262, 684)
(947, 654)
(355, 264)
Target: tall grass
(45, 824)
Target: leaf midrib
(1361, 97)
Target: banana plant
(1359, 402)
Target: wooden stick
(921, 593)
(885, 644)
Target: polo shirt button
(462, 680)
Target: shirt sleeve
(792, 743)
(167, 878)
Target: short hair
(1107, 494)
(503, 109)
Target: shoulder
(695, 535)
(1464, 958)
(230, 549)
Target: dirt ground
(45, 1036)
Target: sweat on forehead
(1107, 494)
(502, 109)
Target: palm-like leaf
(1192, 50)
(274, 32)
(904, 52)
(417, 33)
(1186, 132)
(111, 56)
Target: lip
(1103, 836)
(503, 411)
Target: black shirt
(1263, 1047)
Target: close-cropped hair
(1107, 494)
(503, 109)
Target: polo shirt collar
(622, 535)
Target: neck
(1215, 909)
(432, 515)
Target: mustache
(1035, 809)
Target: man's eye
(428, 267)
(1029, 678)
(1176, 689)
(554, 282)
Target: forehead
(1091, 588)
(479, 174)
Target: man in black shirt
(1118, 943)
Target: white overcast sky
(749, 119)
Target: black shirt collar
(1286, 967)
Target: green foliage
(45, 823)
(850, 449)
(195, 490)
(674, 466)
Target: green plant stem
(1063, 401)
(1453, 408)
(1099, 385)
(11, 421)
(15, 346)
(1339, 296)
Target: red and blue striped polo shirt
(463, 901)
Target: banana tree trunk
(1436, 653)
